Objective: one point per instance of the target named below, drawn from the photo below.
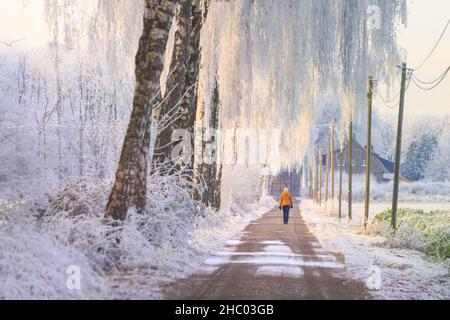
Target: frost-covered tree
(262, 65)
(130, 187)
(277, 65)
(438, 168)
(385, 136)
(418, 157)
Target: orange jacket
(286, 199)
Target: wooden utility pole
(332, 162)
(313, 182)
(327, 171)
(341, 164)
(398, 149)
(350, 168)
(320, 176)
(300, 182)
(316, 181)
(368, 151)
(313, 178)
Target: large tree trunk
(188, 106)
(215, 177)
(185, 93)
(208, 165)
(130, 186)
(169, 110)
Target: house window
(364, 163)
(353, 162)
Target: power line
(437, 79)
(396, 96)
(389, 106)
(435, 46)
(431, 88)
(387, 102)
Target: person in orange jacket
(286, 204)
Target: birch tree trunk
(169, 110)
(130, 185)
(188, 106)
(207, 166)
(205, 173)
(183, 79)
(214, 178)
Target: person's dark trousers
(286, 214)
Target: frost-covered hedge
(428, 232)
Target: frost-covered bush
(34, 266)
(428, 232)
(439, 243)
(76, 219)
(117, 259)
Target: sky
(426, 21)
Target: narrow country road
(270, 261)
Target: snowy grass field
(377, 207)
(399, 272)
(427, 194)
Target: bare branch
(12, 43)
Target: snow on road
(262, 263)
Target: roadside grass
(428, 232)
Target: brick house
(290, 179)
(382, 169)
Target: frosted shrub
(76, 219)
(439, 244)
(409, 237)
(428, 232)
(118, 259)
(34, 266)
